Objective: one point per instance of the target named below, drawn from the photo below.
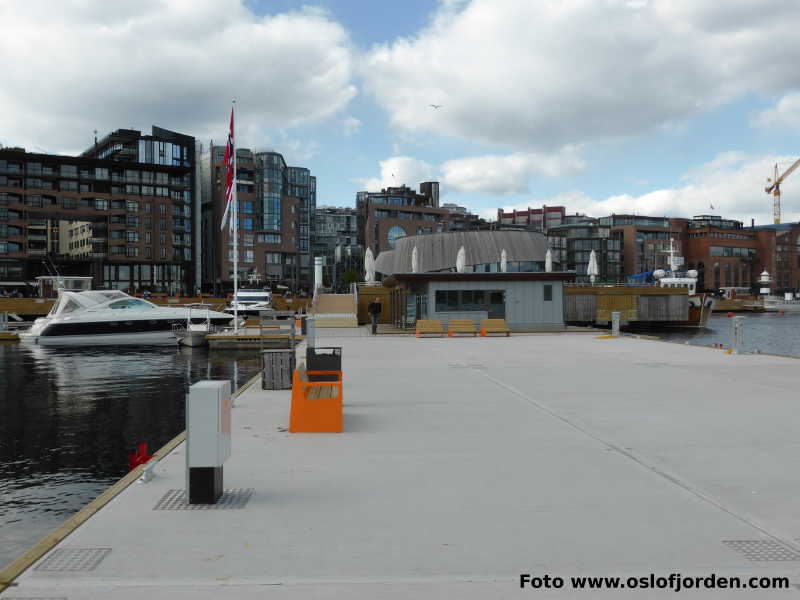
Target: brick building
(134, 192)
(538, 219)
(395, 212)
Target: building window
(395, 233)
(132, 205)
(269, 238)
(248, 256)
(465, 300)
(272, 258)
(548, 293)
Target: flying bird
(436, 105)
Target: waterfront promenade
(466, 462)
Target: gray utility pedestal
(208, 439)
(276, 369)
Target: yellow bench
(461, 326)
(429, 327)
(494, 326)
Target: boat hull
(193, 339)
(146, 338)
(140, 332)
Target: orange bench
(316, 405)
(429, 326)
(494, 326)
(460, 326)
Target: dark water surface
(68, 417)
(770, 333)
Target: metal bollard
(738, 335)
(311, 333)
(615, 324)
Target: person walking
(374, 310)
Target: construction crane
(775, 189)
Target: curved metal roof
(437, 251)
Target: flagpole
(235, 239)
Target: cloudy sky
(659, 107)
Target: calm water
(770, 333)
(68, 417)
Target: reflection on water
(68, 417)
(770, 333)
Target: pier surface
(467, 462)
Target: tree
(350, 276)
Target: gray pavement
(466, 462)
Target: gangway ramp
(336, 310)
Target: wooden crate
(276, 369)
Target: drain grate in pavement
(763, 550)
(73, 559)
(231, 498)
(477, 366)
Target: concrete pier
(466, 462)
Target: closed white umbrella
(461, 260)
(503, 261)
(548, 261)
(592, 271)
(338, 254)
(369, 266)
(414, 260)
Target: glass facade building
(276, 208)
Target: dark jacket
(374, 308)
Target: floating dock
(464, 463)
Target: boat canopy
(646, 277)
(72, 301)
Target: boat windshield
(131, 304)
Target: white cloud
(784, 115)
(489, 174)
(297, 152)
(507, 174)
(541, 75)
(351, 126)
(733, 183)
(71, 67)
(397, 171)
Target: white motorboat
(198, 326)
(249, 303)
(777, 304)
(110, 317)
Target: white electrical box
(208, 424)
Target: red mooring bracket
(138, 457)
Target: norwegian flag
(230, 163)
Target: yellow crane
(775, 189)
